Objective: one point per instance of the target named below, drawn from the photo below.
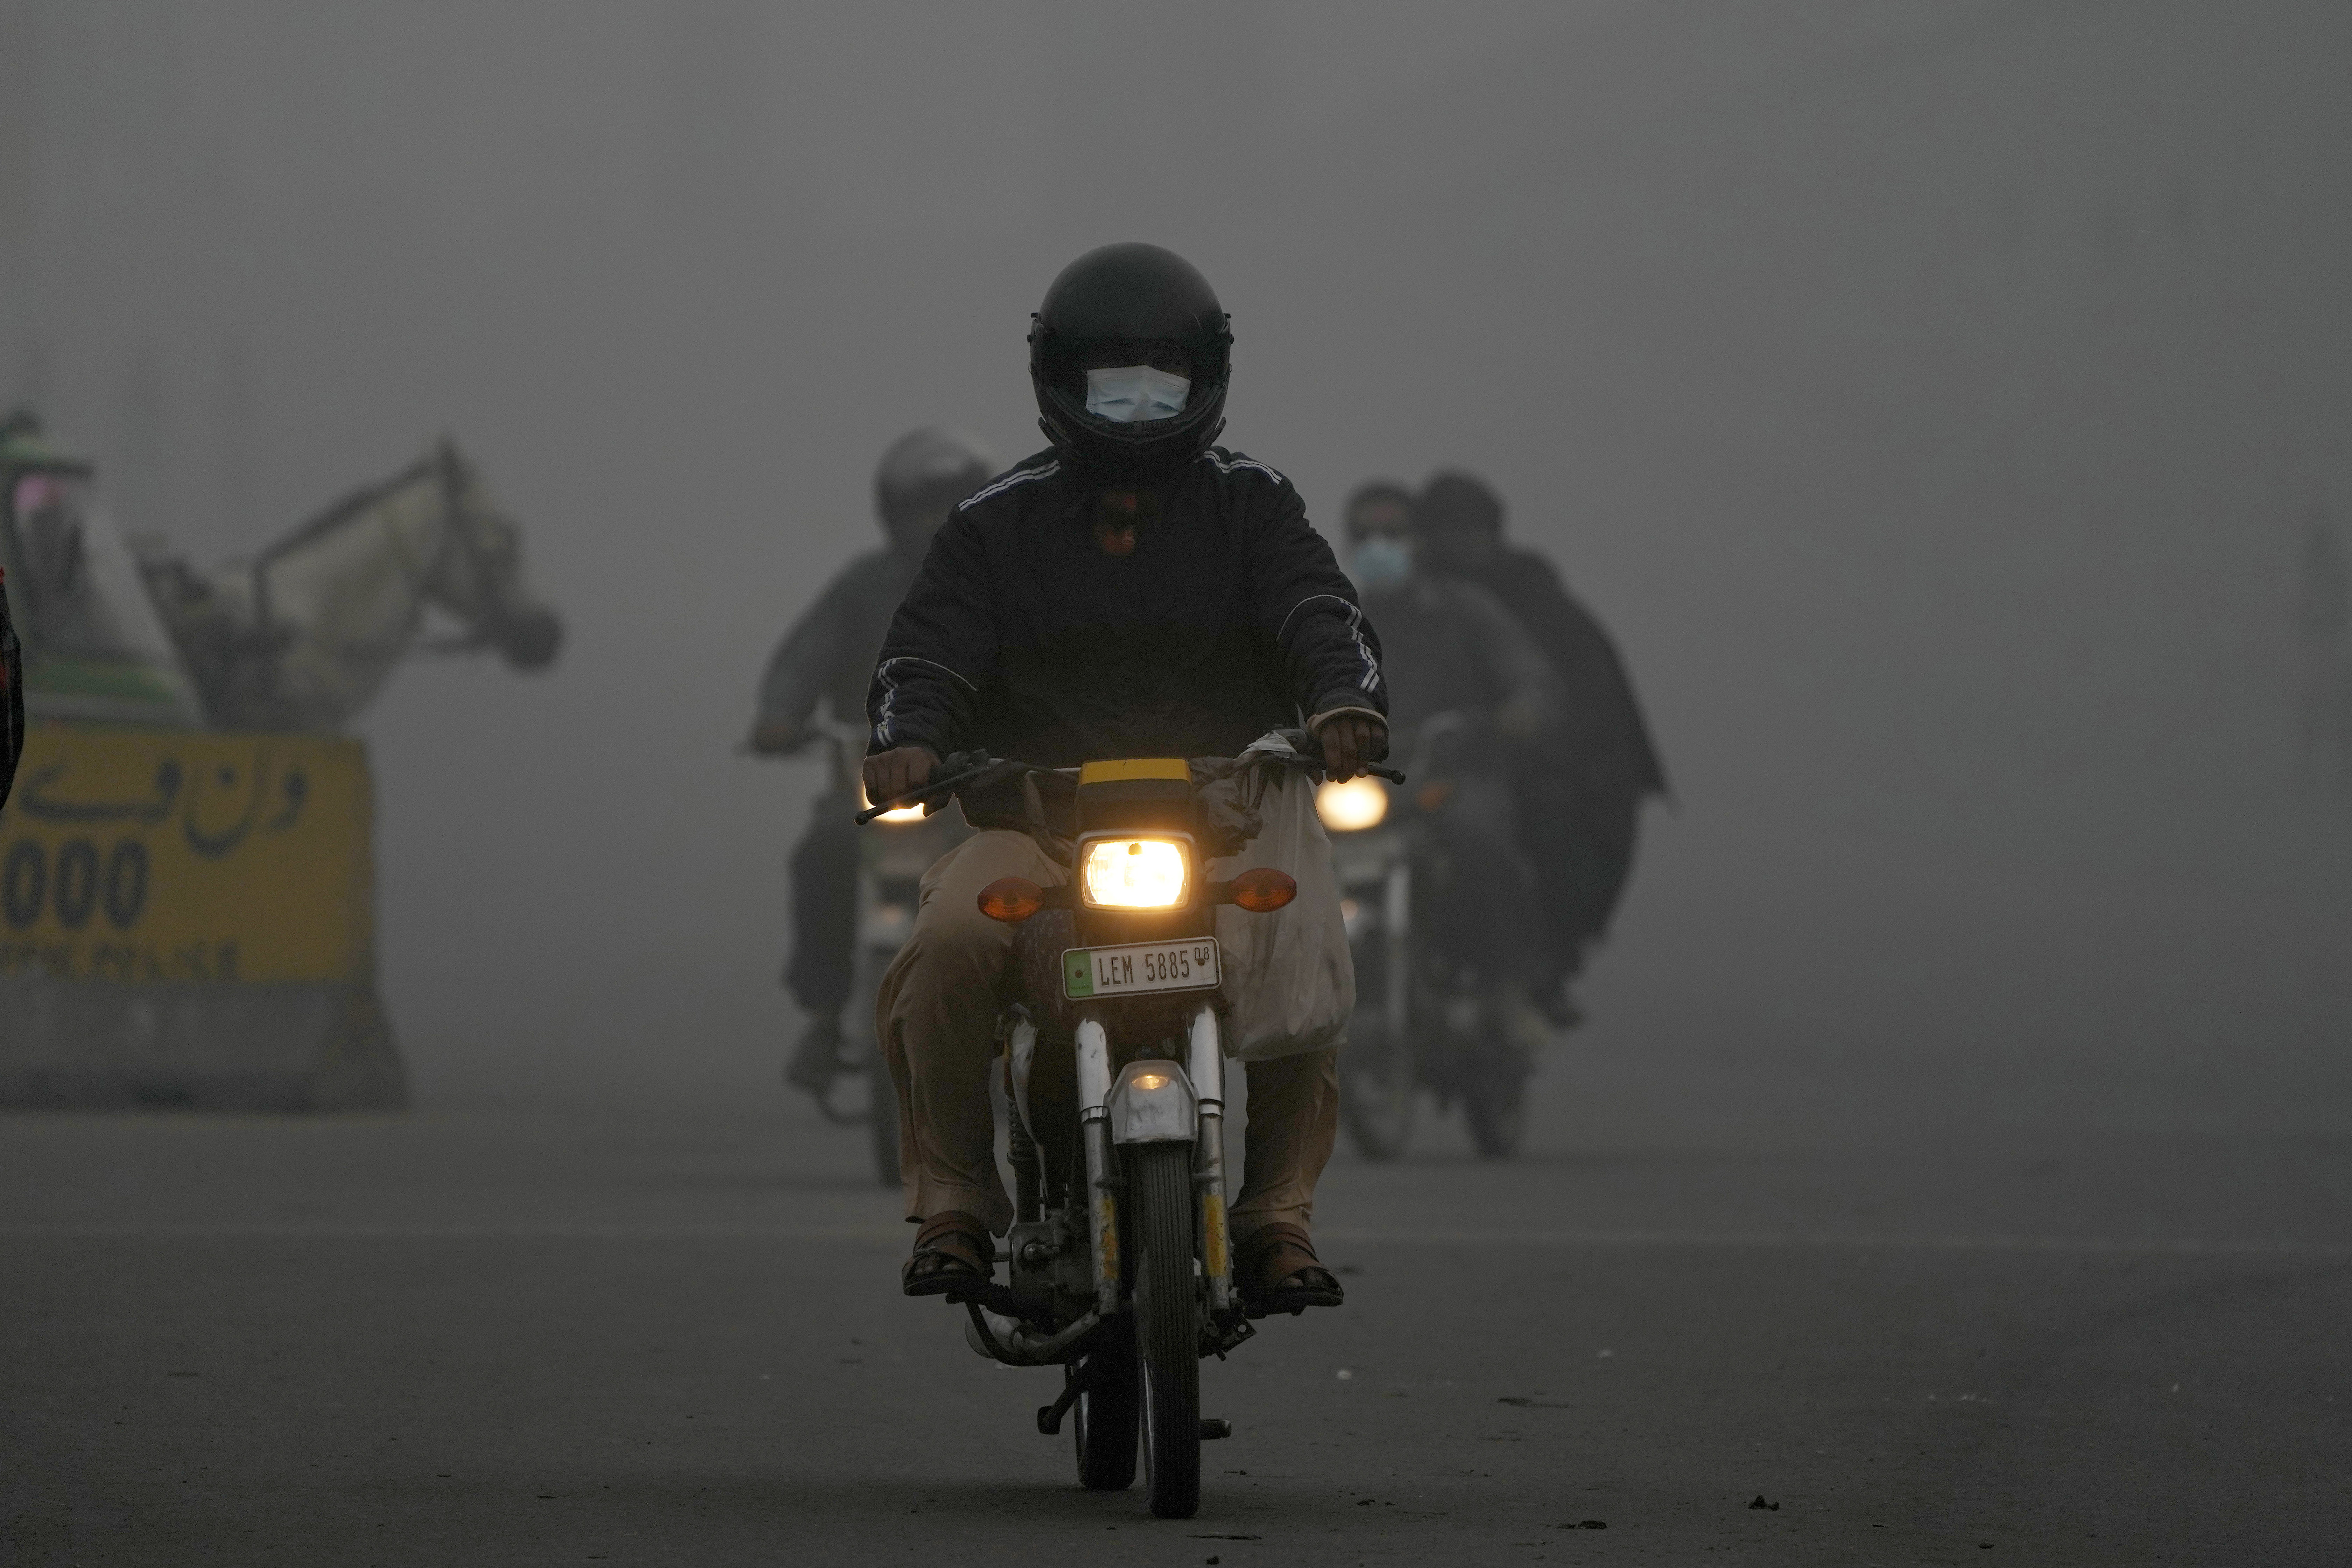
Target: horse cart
(186, 861)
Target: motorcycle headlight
(1134, 874)
(904, 813)
(1352, 806)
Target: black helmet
(1459, 522)
(1128, 304)
(1454, 503)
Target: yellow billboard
(148, 855)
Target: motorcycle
(890, 866)
(1121, 1269)
(1424, 1019)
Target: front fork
(1205, 1065)
(1094, 1130)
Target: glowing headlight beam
(1134, 874)
(903, 814)
(1352, 806)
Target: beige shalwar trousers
(936, 1018)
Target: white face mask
(1383, 562)
(1129, 393)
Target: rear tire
(1103, 1420)
(881, 1118)
(1161, 1221)
(1494, 1102)
(1378, 1087)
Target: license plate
(1090, 972)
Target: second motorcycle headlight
(1352, 806)
(1134, 874)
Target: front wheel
(1159, 1222)
(1104, 1424)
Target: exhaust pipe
(1015, 1343)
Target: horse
(304, 638)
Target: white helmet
(925, 472)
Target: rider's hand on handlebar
(1349, 740)
(889, 775)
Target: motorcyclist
(1131, 590)
(1455, 651)
(12, 696)
(1580, 788)
(827, 658)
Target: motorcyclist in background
(1132, 591)
(12, 696)
(827, 658)
(1452, 649)
(1580, 788)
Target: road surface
(671, 1334)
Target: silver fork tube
(1205, 1065)
(1094, 1129)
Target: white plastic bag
(1290, 982)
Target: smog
(1942, 407)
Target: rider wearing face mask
(1131, 592)
(827, 658)
(1455, 651)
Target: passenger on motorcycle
(1456, 651)
(827, 658)
(1133, 590)
(1580, 790)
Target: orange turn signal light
(1012, 900)
(1263, 890)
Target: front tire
(1160, 1223)
(1104, 1417)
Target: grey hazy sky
(1928, 394)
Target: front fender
(1153, 1102)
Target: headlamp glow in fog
(899, 814)
(1134, 874)
(1351, 807)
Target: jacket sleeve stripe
(1017, 477)
(886, 673)
(1371, 679)
(1227, 465)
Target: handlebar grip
(939, 784)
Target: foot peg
(1212, 1427)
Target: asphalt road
(671, 1334)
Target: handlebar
(988, 770)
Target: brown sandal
(952, 1248)
(1278, 1272)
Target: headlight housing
(1351, 805)
(1135, 872)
